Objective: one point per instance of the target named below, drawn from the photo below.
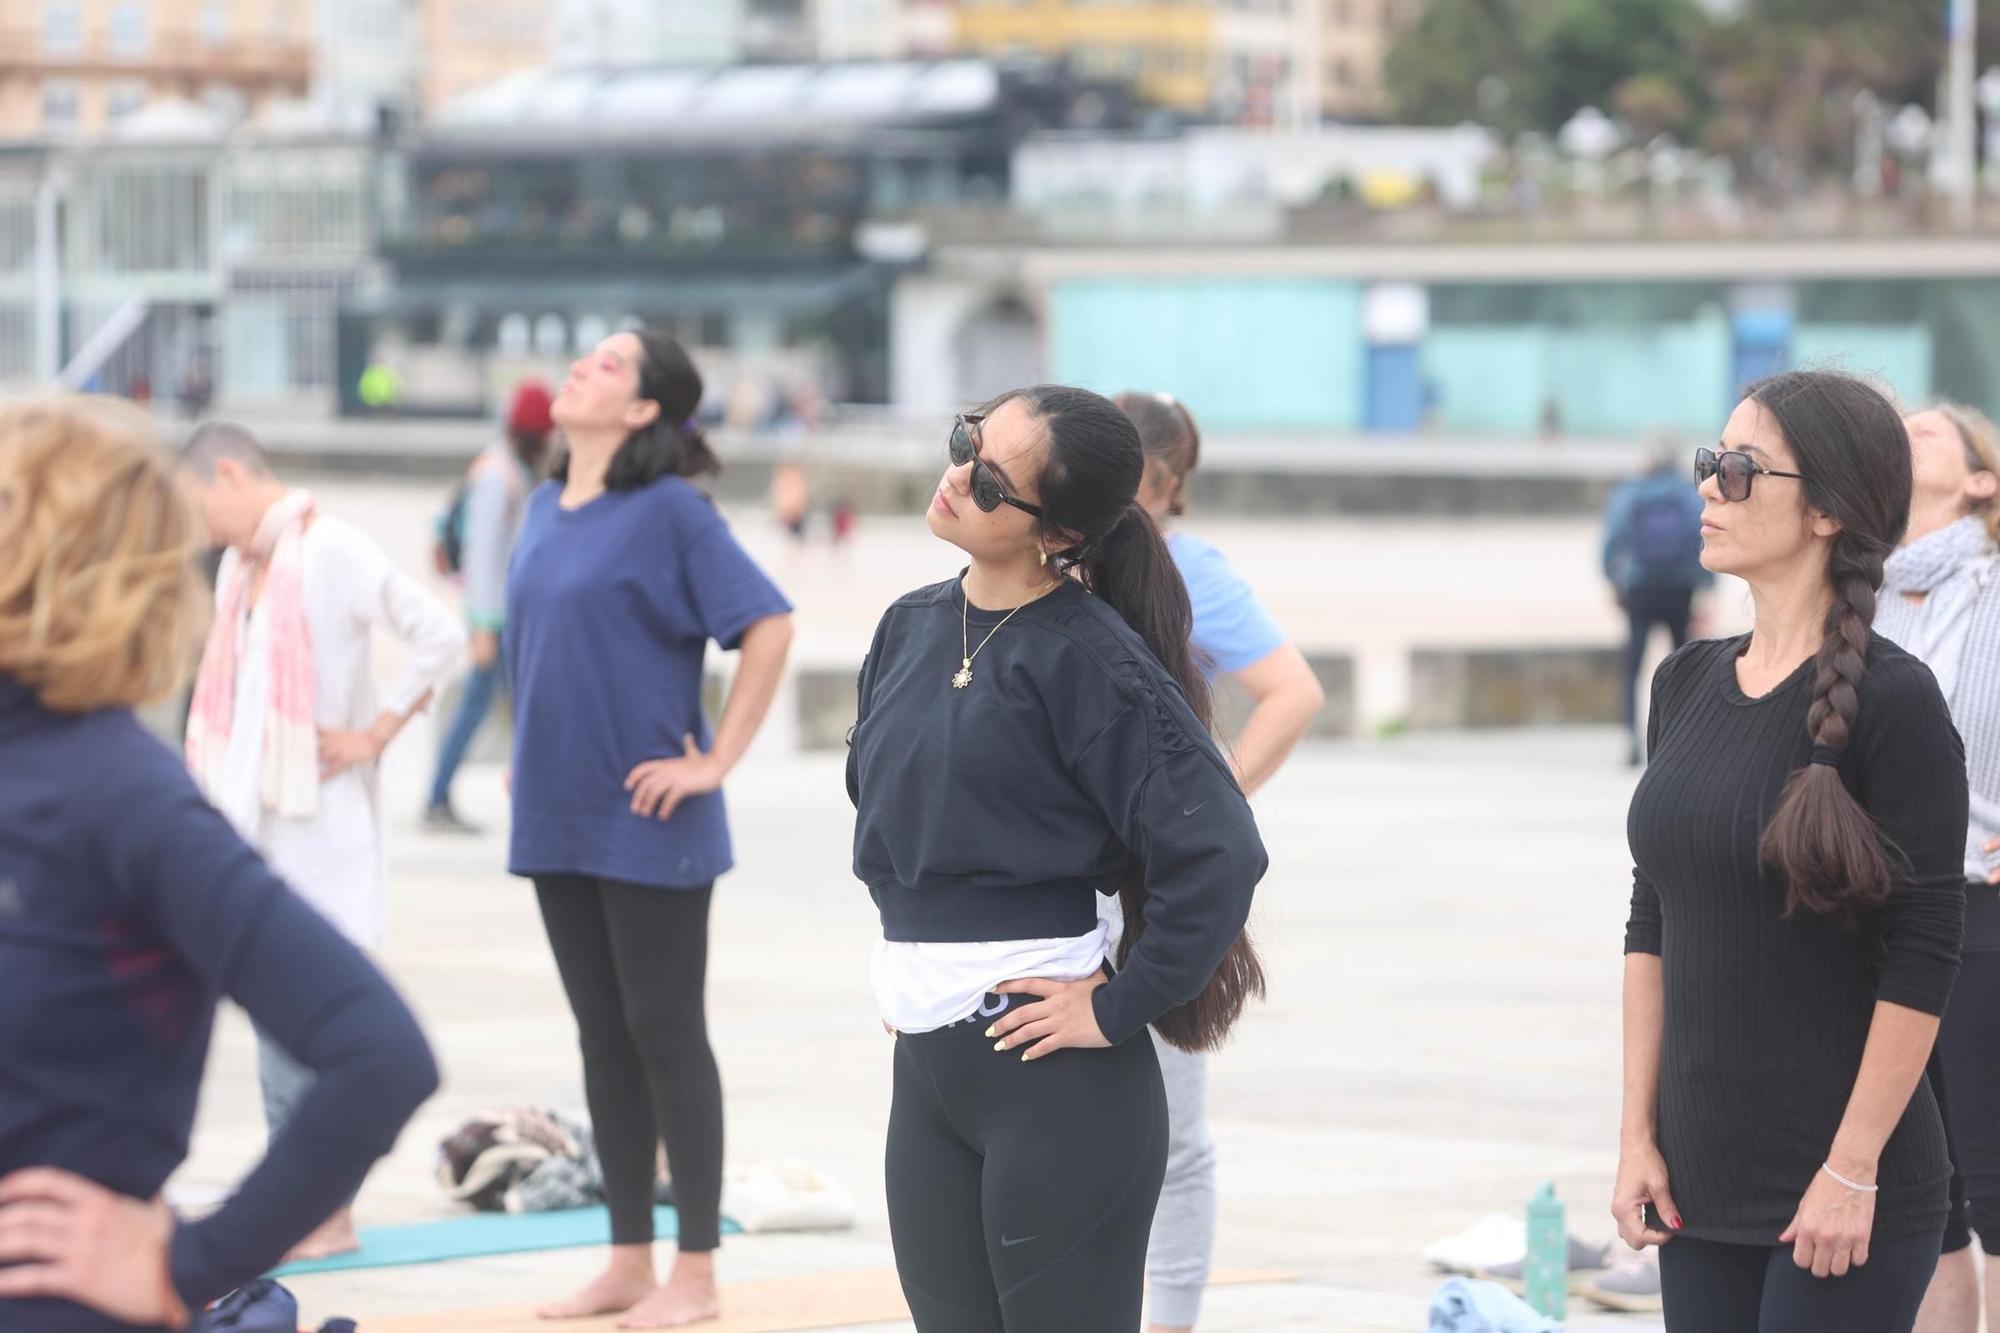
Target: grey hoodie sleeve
(488, 544)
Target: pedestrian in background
(285, 735)
(492, 503)
(1233, 634)
(1652, 555)
(1941, 601)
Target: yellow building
(1253, 61)
(74, 67)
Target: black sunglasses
(1734, 471)
(987, 491)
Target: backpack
(1666, 535)
(448, 534)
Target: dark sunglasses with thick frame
(1734, 470)
(988, 492)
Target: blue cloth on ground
(482, 1234)
(261, 1307)
(1463, 1306)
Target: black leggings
(1966, 1080)
(1714, 1288)
(633, 962)
(1021, 1194)
(1646, 609)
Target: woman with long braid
(1797, 901)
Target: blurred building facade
(1253, 62)
(75, 68)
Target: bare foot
(615, 1291)
(688, 1298)
(336, 1235)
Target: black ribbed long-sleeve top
(1767, 1015)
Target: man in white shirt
(285, 732)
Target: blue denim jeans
(482, 686)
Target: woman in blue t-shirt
(1233, 634)
(623, 574)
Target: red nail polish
(1677, 1224)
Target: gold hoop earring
(1045, 559)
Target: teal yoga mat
(482, 1234)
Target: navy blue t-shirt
(128, 907)
(610, 608)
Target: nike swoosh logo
(1197, 810)
(1006, 1244)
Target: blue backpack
(1666, 535)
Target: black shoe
(442, 818)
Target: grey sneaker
(1585, 1263)
(1633, 1286)
(444, 819)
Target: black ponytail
(1092, 518)
(673, 443)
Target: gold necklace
(963, 676)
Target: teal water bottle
(1545, 1272)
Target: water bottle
(1545, 1273)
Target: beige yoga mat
(785, 1305)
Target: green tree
(1552, 58)
(1784, 76)
(1586, 50)
(1435, 70)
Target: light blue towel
(1461, 1306)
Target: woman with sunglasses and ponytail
(1034, 734)
(1799, 845)
(623, 575)
(1233, 634)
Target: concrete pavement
(1442, 924)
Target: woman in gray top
(1941, 601)
(492, 503)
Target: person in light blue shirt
(1234, 636)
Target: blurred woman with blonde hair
(1941, 601)
(128, 907)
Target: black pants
(1713, 1288)
(1021, 1194)
(634, 961)
(1647, 609)
(1966, 1080)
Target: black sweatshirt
(1001, 811)
(127, 907)
(1767, 1016)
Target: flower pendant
(963, 676)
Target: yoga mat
(483, 1233)
(784, 1305)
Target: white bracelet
(1858, 1189)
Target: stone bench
(1513, 687)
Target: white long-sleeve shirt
(337, 860)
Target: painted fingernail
(1677, 1224)
(1000, 1045)
(989, 1032)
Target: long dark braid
(1852, 446)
